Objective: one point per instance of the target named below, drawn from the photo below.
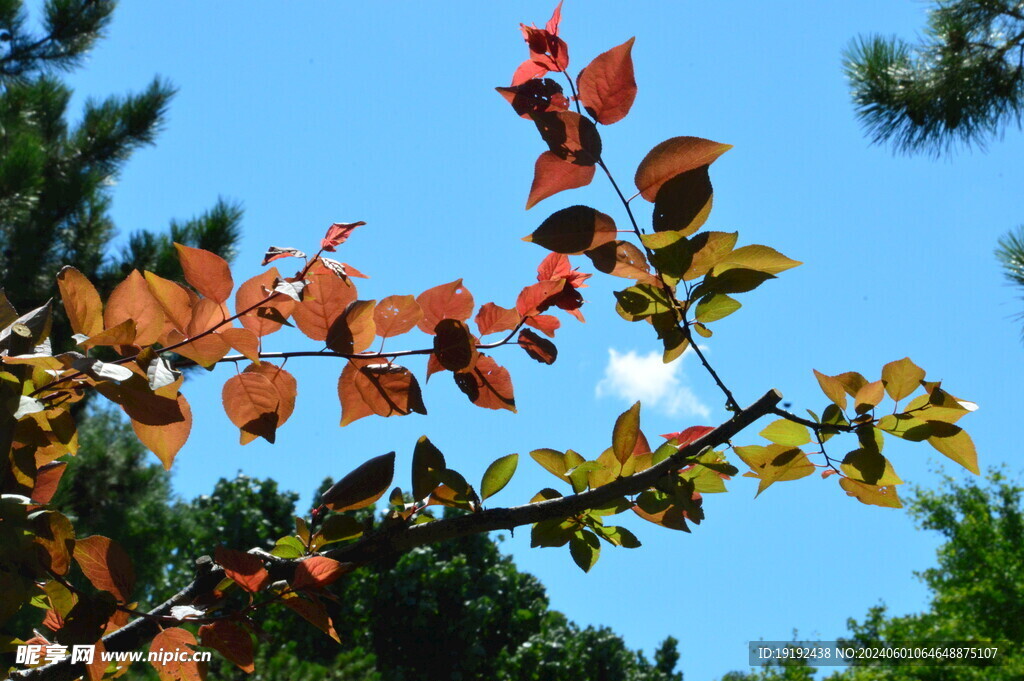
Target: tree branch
(404, 538)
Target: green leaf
(288, 547)
(546, 494)
(901, 378)
(671, 253)
(702, 330)
(716, 306)
(626, 432)
(613, 507)
(340, 527)
(756, 257)
(732, 281)
(775, 463)
(427, 460)
(683, 203)
(497, 475)
(553, 461)
(643, 300)
(709, 249)
(579, 476)
(618, 536)
(585, 548)
(785, 432)
(553, 532)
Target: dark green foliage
(962, 84)
(55, 177)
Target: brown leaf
(363, 486)
(389, 390)
(607, 86)
(622, 259)
(683, 203)
(574, 230)
(552, 174)
(54, 533)
(540, 349)
(454, 345)
(207, 272)
(106, 565)
(674, 157)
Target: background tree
(963, 84)
(56, 178)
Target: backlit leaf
(207, 272)
(363, 486)
(427, 461)
(314, 612)
(255, 290)
(626, 432)
(55, 534)
(173, 299)
(538, 297)
(832, 388)
(447, 301)
(353, 330)
(607, 86)
(905, 426)
(709, 249)
(540, 349)
(775, 463)
(901, 378)
(574, 230)
(106, 565)
(585, 548)
(552, 174)
(869, 466)
(755, 257)
(871, 494)
(131, 300)
(244, 568)
(337, 234)
(868, 397)
(684, 202)
(786, 432)
(396, 315)
(286, 387)
(715, 306)
(389, 389)
(622, 259)
(251, 402)
(498, 475)
(535, 96)
(277, 252)
(324, 299)
(243, 340)
(673, 157)
(954, 442)
(569, 136)
(493, 318)
(230, 640)
(81, 302)
(454, 345)
(317, 572)
(166, 439)
(167, 654)
(487, 385)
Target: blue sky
(311, 113)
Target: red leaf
(447, 301)
(165, 654)
(251, 402)
(674, 157)
(538, 348)
(569, 136)
(607, 87)
(487, 385)
(545, 323)
(207, 272)
(493, 318)
(106, 565)
(337, 234)
(47, 477)
(231, 641)
(317, 572)
(314, 612)
(688, 435)
(81, 302)
(538, 297)
(396, 315)
(244, 568)
(557, 266)
(556, 18)
(527, 70)
(551, 175)
(277, 252)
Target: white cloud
(633, 377)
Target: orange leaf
(569, 136)
(287, 388)
(207, 272)
(314, 612)
(545, 323)
(447, 301)
(316, 572)
(493, 318)
(363, 486)
(81, 302)
(166, 440)
(551, 175)
(122, 334)
(389, 390)
(538, 297)
(165, 654)
(132, 300)
(323, 301)
(251, 402)
(354, 330)
(607, 87)
(396, 315)
(174, 300)
(353, 406)
(622, 259)
(674, 157)
(244, 568)
(231, 641)
(487, 385)
(243, 340)
(252, 292)
(106, 565)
